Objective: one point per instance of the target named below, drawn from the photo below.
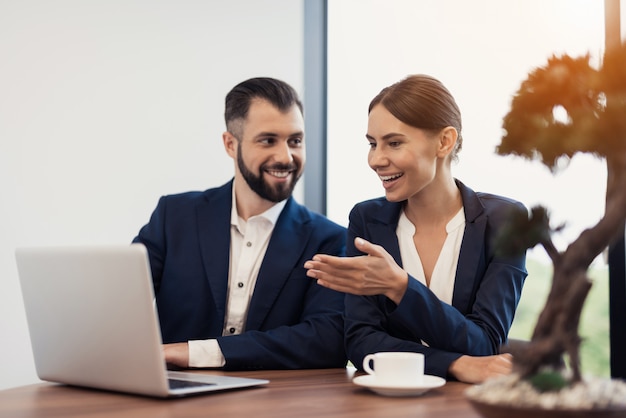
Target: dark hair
(423, 102)
(238, 100)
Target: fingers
(343, 274)
(345, 263)
(331, 265)
(369, 248)
(505, 363)
(501, 364)
(472, 369)
(176, 354)
(322, 267)
(318, 265)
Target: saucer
(428, 383)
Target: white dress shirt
(248, 244)
(444, 273)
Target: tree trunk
(556, 332)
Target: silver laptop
(93, 322)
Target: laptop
(93, 322)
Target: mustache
(280, 167)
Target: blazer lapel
(385, 236)
(382, 229)
(289, 238)
(471, 255)
(214, 237)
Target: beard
(265, 190)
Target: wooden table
(290, 394)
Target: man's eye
(295, 142)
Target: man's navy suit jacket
(292, 322)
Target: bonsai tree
(564, 108)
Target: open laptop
(93, 322)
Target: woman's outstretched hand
(375, 273)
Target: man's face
(270, 152)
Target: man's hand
(177, 354)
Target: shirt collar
(404, 224)
(271, 214)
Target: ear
(230, 144)
(447, 141)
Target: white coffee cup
(395, 368)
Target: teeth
(279, 174)
(387, 178)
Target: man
(228, 263)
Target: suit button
(248, 244)
(240, 284)
(232, 330)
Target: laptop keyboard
(181, 384)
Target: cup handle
(366, 363)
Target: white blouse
(444, 273)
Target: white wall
(107, 105)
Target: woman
(423, 274)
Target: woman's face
(404, 157)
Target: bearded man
(228, 263)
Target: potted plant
(564, 108)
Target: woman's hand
(376, 273)
(470, 369)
